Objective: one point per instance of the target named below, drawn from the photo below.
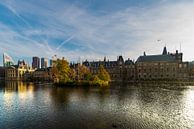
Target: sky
(92, 29)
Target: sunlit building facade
(167, 66)
(17, 72)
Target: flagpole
(3, 60)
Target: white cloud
(129, 32)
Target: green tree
(103, 74)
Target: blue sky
(92, 29)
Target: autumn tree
(103, 74)
(61, 70)
(84, 73)
(72, 74)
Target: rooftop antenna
(180, 48)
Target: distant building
(51, 63)
(43, 74)
(17, 72)
(44, 62)
(167, 66)
(2, 73)
(129, 70)
(35, 62)
(118, 70)
(191, 70)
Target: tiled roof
(156, 58)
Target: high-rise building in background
(35, 62)
(44, 62)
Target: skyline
(92, 29)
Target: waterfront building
(35, 62)
(191, 70)
(129, 70)
(44, 62)
(167, 66)
(118, 70)
(43, 74)
(17, 72)
(2, 73)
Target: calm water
(141, 106)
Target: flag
(7, 60)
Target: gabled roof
(156, 58)
(129, 62)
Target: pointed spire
(105, 59)
(144, 53)
(164, 51)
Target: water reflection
(28, 105)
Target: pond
(138, 106)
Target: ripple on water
(122, 107)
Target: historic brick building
(119, 70)
(43, 74)
(167, 66)
(2, 73)
(17, 72)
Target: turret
(164, 51)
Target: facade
(43, 74)
(191, 70)
(17, 72)
(118, 70)
(44, 62)
(2, 73)
(167, 66)
(35, 62)
(129, 70)
(11, 73)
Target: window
(180, 65)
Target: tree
(72, 74)
(61, 70)
(84, 73)
(103, 74)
